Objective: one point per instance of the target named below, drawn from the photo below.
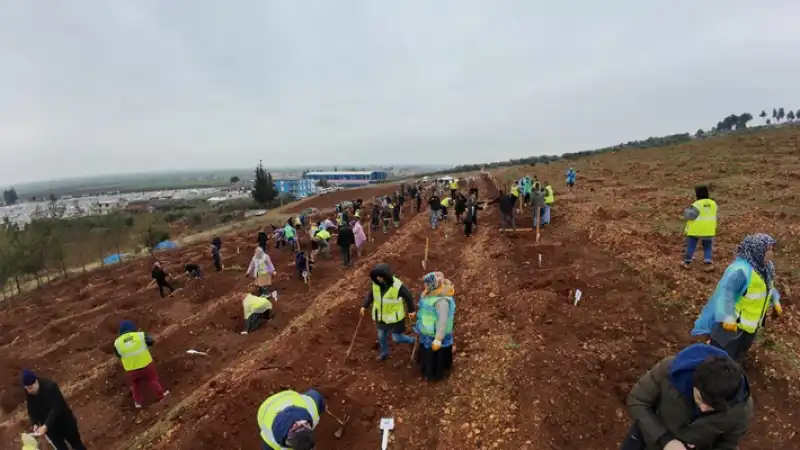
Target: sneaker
(137, 406)
(383, 357)
(686, 265)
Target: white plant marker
(387, 424)
(540, 260)
(195, 352)
(275, 295)
(577, 296)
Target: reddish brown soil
(532, 370)
(365, 193)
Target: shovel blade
(338, 433)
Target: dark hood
(681, 371)
(701, 192)
(381, 270)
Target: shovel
(339, 431)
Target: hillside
(531, 370)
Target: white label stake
(577, 296)
(540, 260)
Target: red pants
(146, 375)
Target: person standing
(418, 198)
(49, 412)
(216, 256)
(132, 349)
(375, 217)
(390, 303)
(701, 225)
(360, 236)
(471, 217)
(506, 204)
(160, 276)
(344, 240)
(549, 200)
(742, 298)
(396, 208)
(434, 326)
(386, 214)
(262, 270)
(698, 399)
(435, 204)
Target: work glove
(777, 310)
(729, 326)
(437, 344)
(363, 311)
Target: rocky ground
(532, 369)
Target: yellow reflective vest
(389, 308)
(325, 235)
(706, 223)
(446, 202)
(255, 304)
(515, 191)
(133, 351)
(454, 184)
(549, 197)
(277, 403)
(752, 307)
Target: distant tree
(781, 114)
(10, 196)
(264, 188)
(55, 209)
(774, 113)
(763, 114)
(152, 231)
(234, 180)
(741, 121)
(790, 115)
(769, 121)
(323, 183)
(699, 132)
(797, 114)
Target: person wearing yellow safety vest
(549, 199)
(738, 306)
(434, 326)
(256, 307)
(287, 420)
(446, 203)
(319, 241)
(262, 270)
(132, 349)
(453, 187)
(701, 225)
(390, 302)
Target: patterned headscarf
(754, 249)
(437, 284)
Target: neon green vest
(255, 304)
(390, 307)
(288, 232)
(324, 235)
(752, 307)
(133, 351)
(706, 223)
(277, 403)
(427, 316)
(549, 197)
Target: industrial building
(298, 187)
(349, 178)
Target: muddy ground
(532, 370)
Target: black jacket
(48, 407)
(384, 272)
(346, 237)
(435, 203)
(159, 275)
(506, 203)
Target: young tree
(790, 115)
(234, 180)
(264, 188)
(151, 231)
(741, 121)
(698, 134)
(763, 114)
(10, 196)
(774, 113)
(781, 114)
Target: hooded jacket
(346, 236)
(126, 326)
(383, 271)
(48, 407)
(662, 405)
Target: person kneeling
(255, 309)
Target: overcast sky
(99, 87)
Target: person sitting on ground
(49, 412)
(256, 307)
(434, 326)
(742, 298)
(262, 270)
(193, 271)
(160, 276)
(698, 399)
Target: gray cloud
(90, 87)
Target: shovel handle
(353, 341)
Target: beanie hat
(28, 378)
(126, 326)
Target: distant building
(349, 178)
(298, 187)
(138, 206)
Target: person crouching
(256, 308)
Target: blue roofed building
(349, 178)
(298, 187)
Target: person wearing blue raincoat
(572, 174)
(737, 308)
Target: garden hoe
(339, 431)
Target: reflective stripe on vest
(752, 306)
(133, 351)
(389, 308)
(427, 316)
(705, 225)
(549, 198)
(277, 403)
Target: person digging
(132, 349)
(287, 420)
(390, 302)
(256, 308)
(49, 412)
